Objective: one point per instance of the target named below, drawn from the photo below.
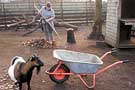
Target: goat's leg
(20, 86)
(16, 85)
(28, 83)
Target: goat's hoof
(29, 88)
(16, 83)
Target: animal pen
(120, 31)
(15, 13)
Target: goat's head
(36, 62)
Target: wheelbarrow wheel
(59, 79)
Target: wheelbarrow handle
(126, 61)
(114, 50)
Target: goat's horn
(34, 55)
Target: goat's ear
(32, 57)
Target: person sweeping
(47, 20)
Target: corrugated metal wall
(65, 11)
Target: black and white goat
(20, 71)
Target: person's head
(48, 5)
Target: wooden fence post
(87, 18)
(62, 15)
(5, 17)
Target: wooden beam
(14, 24)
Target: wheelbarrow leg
(84, 82)
(59, 64)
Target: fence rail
(65, 12)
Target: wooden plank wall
(111, 36)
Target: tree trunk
(96, 33)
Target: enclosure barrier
(72, 12)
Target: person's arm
(52, 17)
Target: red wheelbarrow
(77, 63)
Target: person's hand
(47, 20)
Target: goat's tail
(16, 59)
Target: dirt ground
(121, 77)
